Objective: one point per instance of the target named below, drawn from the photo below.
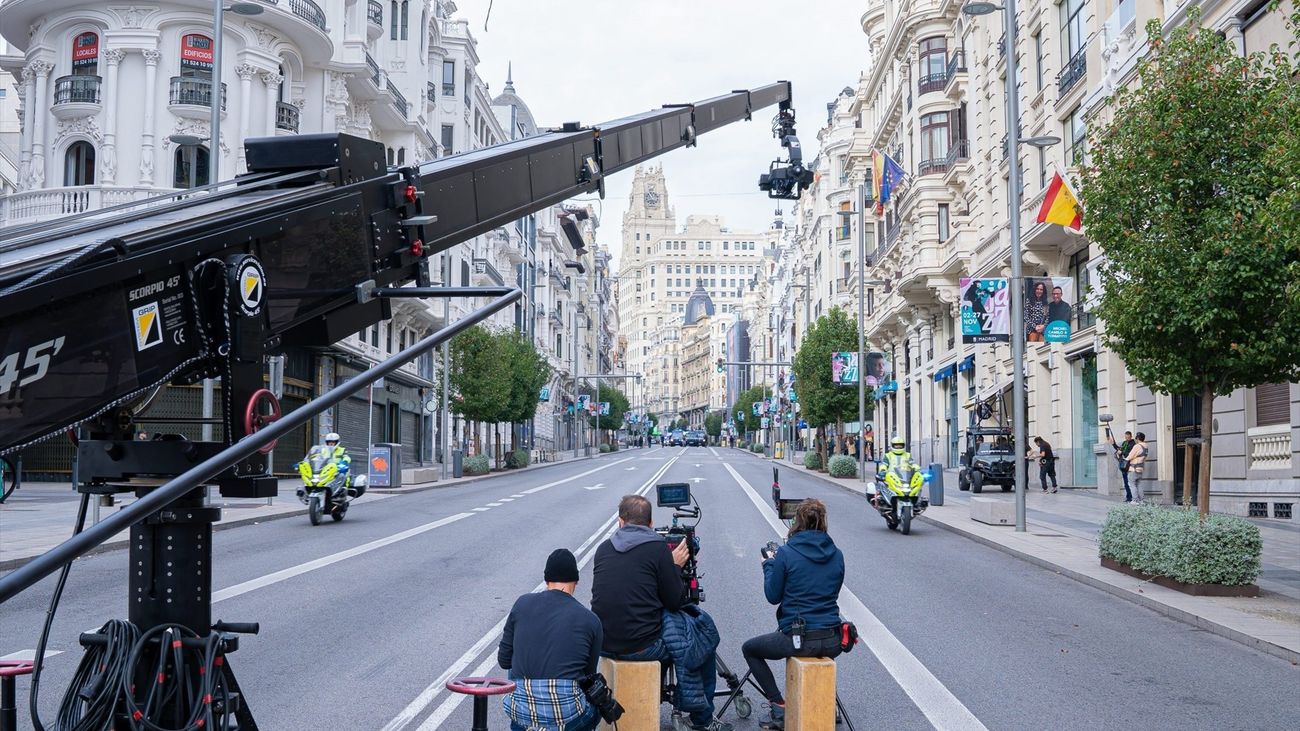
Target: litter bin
(457, 463)
(936, 483)
(385, 465)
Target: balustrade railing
(77, 89)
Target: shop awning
(968, 364)
(945, 373)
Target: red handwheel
(255, 420)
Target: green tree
(618, 406)
(745, 406)
(479, 374)
(821, 401)
(529, 372)
(1192, 194)
(713, 425)
(681, 424)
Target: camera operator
(803, 578)
(551, 642)
(639, 595)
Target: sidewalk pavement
(1062, 531)
(41, 515)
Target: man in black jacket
(635, 578)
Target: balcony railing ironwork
(431, 92)
(375, 12)
(376, 74)
(1002, 46)
(956, 63)
(309, 11)
(286, 117)
(77, 89)
(485, 268)
(932, 167)
(932, 82)
(1075, 69)
(399, 101)
(957, 151)
(194, 90)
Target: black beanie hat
(561, 566)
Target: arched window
(391, 157)
(191, 168)
(284, 81)
(392, 20)
(401, 156)
(79, 164)
(405, 10)
(85, 54)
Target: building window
(933, 70)
(79, 164)
(1082, 282)
(943, 222)
(449, 78)
(392, 20)
(447, 135)
(842, 230)
(1272, 404)
(934, 143)
(1038, 59)
(405, 11)
(191, 166)
(1078, 138)
(85, 54)
(1073, 33)
(401, 156)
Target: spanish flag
(1061, 205)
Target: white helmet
(332, 437)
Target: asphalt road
(363, 621)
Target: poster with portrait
(878, 369)
(1049, 309)
(985, 310)
(844, 369)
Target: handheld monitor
(673, 494)
(786, 507)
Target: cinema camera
(786, 179)
(785, 509)
(677, 495)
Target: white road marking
(715, 453)
(506, 499)
(292, 571)
(697, 479)
(628, 469)
(597, 486)
(517, 496)
(495, 505)
(481, 510)
(31, 654)
(549, 485)
(939, 705)
(426, 697)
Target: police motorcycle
(325, 488)
(897, 496)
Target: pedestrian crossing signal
(719, 365)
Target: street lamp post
(1013, 225)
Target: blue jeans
(709, 674)
(588, 721)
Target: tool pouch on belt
(848, 636)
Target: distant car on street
(696, 439)
(677, 438)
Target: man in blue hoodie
(803, 579)
(635, 578)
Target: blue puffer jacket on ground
(691, 638)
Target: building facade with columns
(934, 100)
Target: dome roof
(699, 305)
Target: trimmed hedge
(517, 459)
(756, 448)
(812, 460)
(613, 446)
(604, 449)
(1176, 543)
(842, 465)
(476, 465)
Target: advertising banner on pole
(844, 369)
(985, 310)
(1049, 309)
(879, 369)
(604, 408)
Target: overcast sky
(596, 60)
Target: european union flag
(892, 176)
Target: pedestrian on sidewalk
(1137, 458)
(1046, 463)
(551, 641)
(1121, 456)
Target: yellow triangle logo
(144, 323)
(250, 285)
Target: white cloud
(599, 60)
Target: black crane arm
(99, 308)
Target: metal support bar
(155, 500)
(438, 292)
(758, 363)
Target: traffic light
(719, 365)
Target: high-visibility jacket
(894, 460)
(340, 457)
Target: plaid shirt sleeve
(545, 704)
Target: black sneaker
(714, 726)
(777, 721)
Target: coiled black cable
(39, 660)
(174, 695)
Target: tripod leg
(844, 713)
(243, 716)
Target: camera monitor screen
(673, 494)
(787, 507)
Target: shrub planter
(1193, 589)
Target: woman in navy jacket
(803, 579)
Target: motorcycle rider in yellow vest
(334, 451)
(897, 458)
